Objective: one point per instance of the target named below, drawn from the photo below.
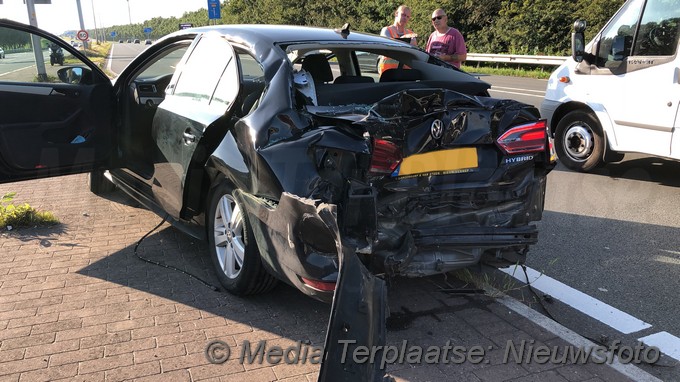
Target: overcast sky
(62, 15)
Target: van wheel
(578, 141)
(233, 248)
(99, 184)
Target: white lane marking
(17, 70)
(607, 314)
(667, 260)
(518, 89)
(108, 65)
(666, 342)
(518, 93)
(629, 370)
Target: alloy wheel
(228, 234)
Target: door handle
(188, 137)
(64, 92)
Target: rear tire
(232, 246)
(99, 184)
(579, 141)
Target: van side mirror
(578, 41)
(619, 52)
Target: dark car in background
(368, 62)
(274, 145)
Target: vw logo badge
(437, 129)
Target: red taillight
(319, 285)
(386, 157)
(527, 138)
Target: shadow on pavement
(646, 169)
(282, 311)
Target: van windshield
(634, 32)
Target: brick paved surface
(76, 304)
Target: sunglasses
(438, 17)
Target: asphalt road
(122, 54)
(613, 234)
(21, 66)
(527, 90)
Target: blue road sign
(148, 30)
(113, 34)
(213, 9)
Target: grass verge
(539, 72)
(97, 53)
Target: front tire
(232, 246)
(579, 141)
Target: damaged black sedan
(239, 134)
(272, 144)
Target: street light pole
(35, 41)
(95, 22)
(82, 24)
(129, 17)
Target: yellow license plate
(440, 162)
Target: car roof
(281, 34)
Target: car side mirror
(73, 75)
(578, 41)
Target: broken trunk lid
(358, 320)
(358, 316)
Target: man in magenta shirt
(446, 42)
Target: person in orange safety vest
(397, 30)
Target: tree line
(541, 27)
(11, 39)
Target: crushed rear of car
(426, 176)
(425, 181)
(412, 173)
(453, 180)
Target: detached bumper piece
(358, 318)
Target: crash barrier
(515, 59)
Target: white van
(621, 92)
